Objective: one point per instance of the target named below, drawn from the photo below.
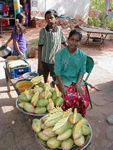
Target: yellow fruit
(63, 128)
(48, 132)
(42, 136)
(28, 107)
(67, 144)
(80, 142)
(42, 102)
(59, 101)
(52, 122)
(53, 143)
(36, 125)
(40, 110)
(64, 135)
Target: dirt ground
(16, 132)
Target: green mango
(53, 143)
(85, 130)
(28, 107)
(42, 102)
(48, 132)
(42, 142)
(80, 141)
(67, 144)
(40, 110)
(64, 135)
(54, 95)
(36, 125)
(21, 105)
(23, 98)
(42, 136)
(52, 122)
(39, 89)
(59, 101)
(63, 128)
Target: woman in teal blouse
(70, 66)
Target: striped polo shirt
(51, 41)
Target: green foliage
(101, 20)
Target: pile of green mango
(62, 129)
(41, 98)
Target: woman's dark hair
(51, 11)
(18, 27)
(75, 32)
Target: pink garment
(5, 10)
(25, 9)
(73, 100)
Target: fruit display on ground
(63, 130)
(41, 98)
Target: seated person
(5, 10)
(70, 66)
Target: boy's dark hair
(75, 32)
(51, 11)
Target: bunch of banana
(62, 129)
(41, 98)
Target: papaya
(80, 141)
(39, 89)
(52, 122)
(42, 136)
(79, 116)
(41, 95)
(67, 144)
(78, 134)
(34, 99)
(59, 101)
(42, 102)
(36, 125)
(86, 130)
(49, 95)
(21, 105)
(63, 128)
(53, 143)
(42, 142)
(43, 126)
(28, 107)
(22, 98)
(54, 95)
(64, 135)
(48, 132)
(40, 110)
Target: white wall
(72, 8)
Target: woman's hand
(79, 89)
(63, 91)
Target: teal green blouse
(70, 66)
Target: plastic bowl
(22, 85)
(29, 75)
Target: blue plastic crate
(17, 72)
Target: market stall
(8, 19)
